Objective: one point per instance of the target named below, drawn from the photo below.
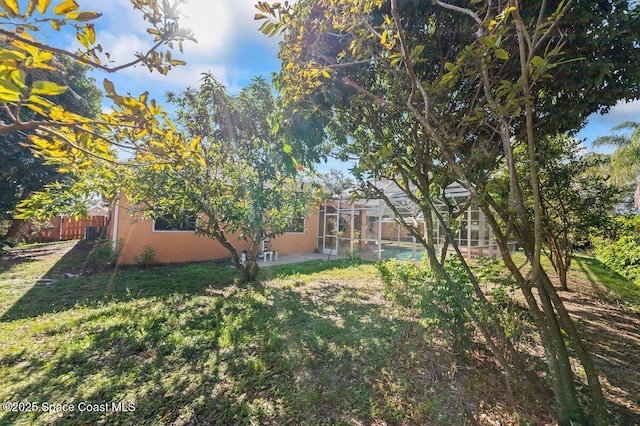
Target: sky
(231, 47)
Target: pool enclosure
(368, 228)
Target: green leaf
(287, 149)
(417, 51)
(47, 88)
(448, 77)
(538, 62)
(502, 54)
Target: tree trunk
(14, 229)
(562, 276)
(249, 271)
(561, 353)
(599, 406)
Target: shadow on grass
(15, 258)
(599, 275)
(612, 331)
(71, 288)
(65, 286)
(253, 356)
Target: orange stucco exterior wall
(186, 246)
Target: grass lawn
(313, 343)
(589, 274)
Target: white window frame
(304, 227)
(153, 227)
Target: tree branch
(80, 58)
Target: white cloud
(601, 124)
(626, 111)
(230, 45)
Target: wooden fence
(71, 228)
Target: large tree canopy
(449, 90)
(242, 181)
(57, 132)
(21, 172)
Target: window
(168, 222)
(296, 226)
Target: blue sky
(231, 48)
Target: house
(368, 228)
(177, 243)
(340, 226)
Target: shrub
(103, 256)
(146, 258)
(439, 307)
(500, 289)
(621, 255)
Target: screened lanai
(368, 228)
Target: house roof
(455, 195)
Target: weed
(146, 258)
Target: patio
(284, 259)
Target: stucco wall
(186, 246)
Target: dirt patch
(42, 252)
(55, 259)
(611, 331)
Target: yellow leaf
(11, 7)
(37, 109)
(109, 87)
(7, 55)
(43, 5)
(33, 51)
(41, 87)
(19, 77)
(39, 141)
(83, 39)
(90, 32)
(41, 101)
(30, 8)
(195, 142)
(9, 92)
(383, 39)
(65, 7)
(83, 16)
(44, 57)
(55, 24)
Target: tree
(241, 182)
(72, 138)
(475, 80)
(335, 182)
(22, 173)
(625, 160)
(575, 199)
